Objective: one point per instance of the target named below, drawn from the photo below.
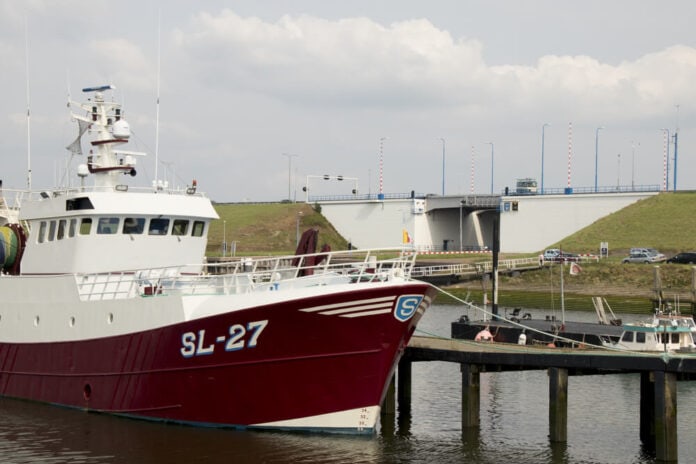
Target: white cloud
(240, 86)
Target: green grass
(665, 222)
(268, 228)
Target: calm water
(602, 427)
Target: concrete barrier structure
(528, 223)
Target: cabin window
(107, 225)
(158, 226)
(675, 338)
(133, 225)
(71, 229)
(180, 227)
(627, 337)
(72, 204)
(198, 228)
(42, 232)
(51, 231)
(61, 229)
(640, 337)
(85, 226)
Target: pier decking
(658, 376)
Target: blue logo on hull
(406, 306)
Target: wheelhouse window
(180, 227)
(133, 225)
(198, 229)
(107, 225)
(85, 226)
(640, 337)
(42, 232)
(51, 231)
(158, 226)
(72, 227)
(61, 229)
(627, 336)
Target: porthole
(72, 321)
(36, 321)
(110, 318)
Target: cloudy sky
(244, 82)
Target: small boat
(107, 305)
(666, 331)
(511, 327)
(658, 335)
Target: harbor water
(603, 425)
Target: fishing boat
(560, 332)
(108, 306)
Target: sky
(258, 99)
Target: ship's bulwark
(245, 368)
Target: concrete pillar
(666, 448)
(403, 391)
(647, 410)
(471, 395)
(558, 404)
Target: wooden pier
(658, 376)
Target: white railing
(251, 274)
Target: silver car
(642, 257)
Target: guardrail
(251, 274)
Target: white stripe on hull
(361, 420)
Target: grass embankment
(268, 228)
(665, 222)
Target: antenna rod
(159, 34)
(26, 53)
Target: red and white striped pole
(381, 165)
(570, 150)
(473, 169)
(665, 145)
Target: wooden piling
(389, 403)
(471, 395)
(666, 448)
(403, 391)
(647, 410)
(558, 404)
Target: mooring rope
(664, 355)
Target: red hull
(233, 369)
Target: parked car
(686, 257)
(642, 257)
(650, 251)
(556, 255)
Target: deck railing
(251, 274)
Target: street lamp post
(224, 238)
(290, 157)
(633, 163)
(492, 164)
(443, 166)
(461, 239)
(297, 228)
(596, 155)
(542, 155)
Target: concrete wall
(377, 224)
(539, 221)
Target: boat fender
(522, 339)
